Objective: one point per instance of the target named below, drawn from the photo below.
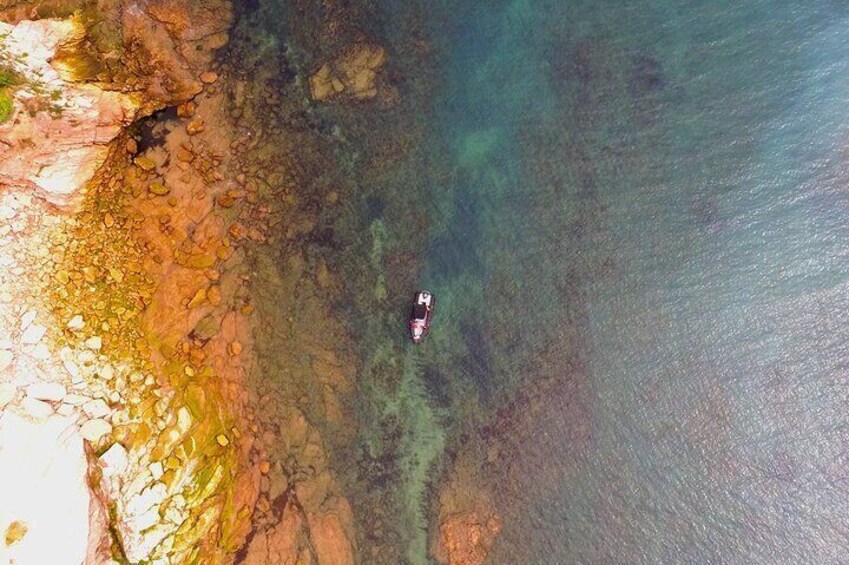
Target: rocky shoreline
(147, 244)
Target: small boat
(421, 315)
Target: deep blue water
(647, 211)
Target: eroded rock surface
(58, 132)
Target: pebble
(197, 299)
(40, 352)
(222, 440)
(144, 163)
(143, 503)
(36, 408)
(75, 399)
(195, 126)
(72, 370)
(76, 323)
(208, 77)
(7, 394)
(94, 342)
(96, 408)
(158, 188)
(33, 334)
(53, 392)
(114, 460)
(93, 430)
(6, 358)
(27, 319)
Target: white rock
(27, 319)
(119, 418)
(96, 408)
(145, 520)
(40, 352)
(94, 342)
(65, 410)
(44, 466)
(93, 430)
(76, 323)
(7, 394)
(7, 212)
(36, 408)
(6, 358)
(156, 470)
(86, 358)
(33, 334)
(73, 370)
(91, 117)
(174, 515)
(151, 497)
(107, 372)
(5, 343)
(75, 399)
(114, 460)
(184, 420)
(47, 391)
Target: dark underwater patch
(457, 249)
(646, 75)
(147, 135)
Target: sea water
(638, 228)
(671, 178)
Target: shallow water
(634, 216)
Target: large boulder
(56, 134)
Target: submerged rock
(354, 74)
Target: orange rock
(237, 231)
(186, 110)
(185, 155)
(226, 200)
(145, 163)
(195, 126)
(214, 295)
(224, 253)
(197, 299)
(467, 537)
(208, 77)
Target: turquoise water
(684, 168)
(635, 218)
(668, 180)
